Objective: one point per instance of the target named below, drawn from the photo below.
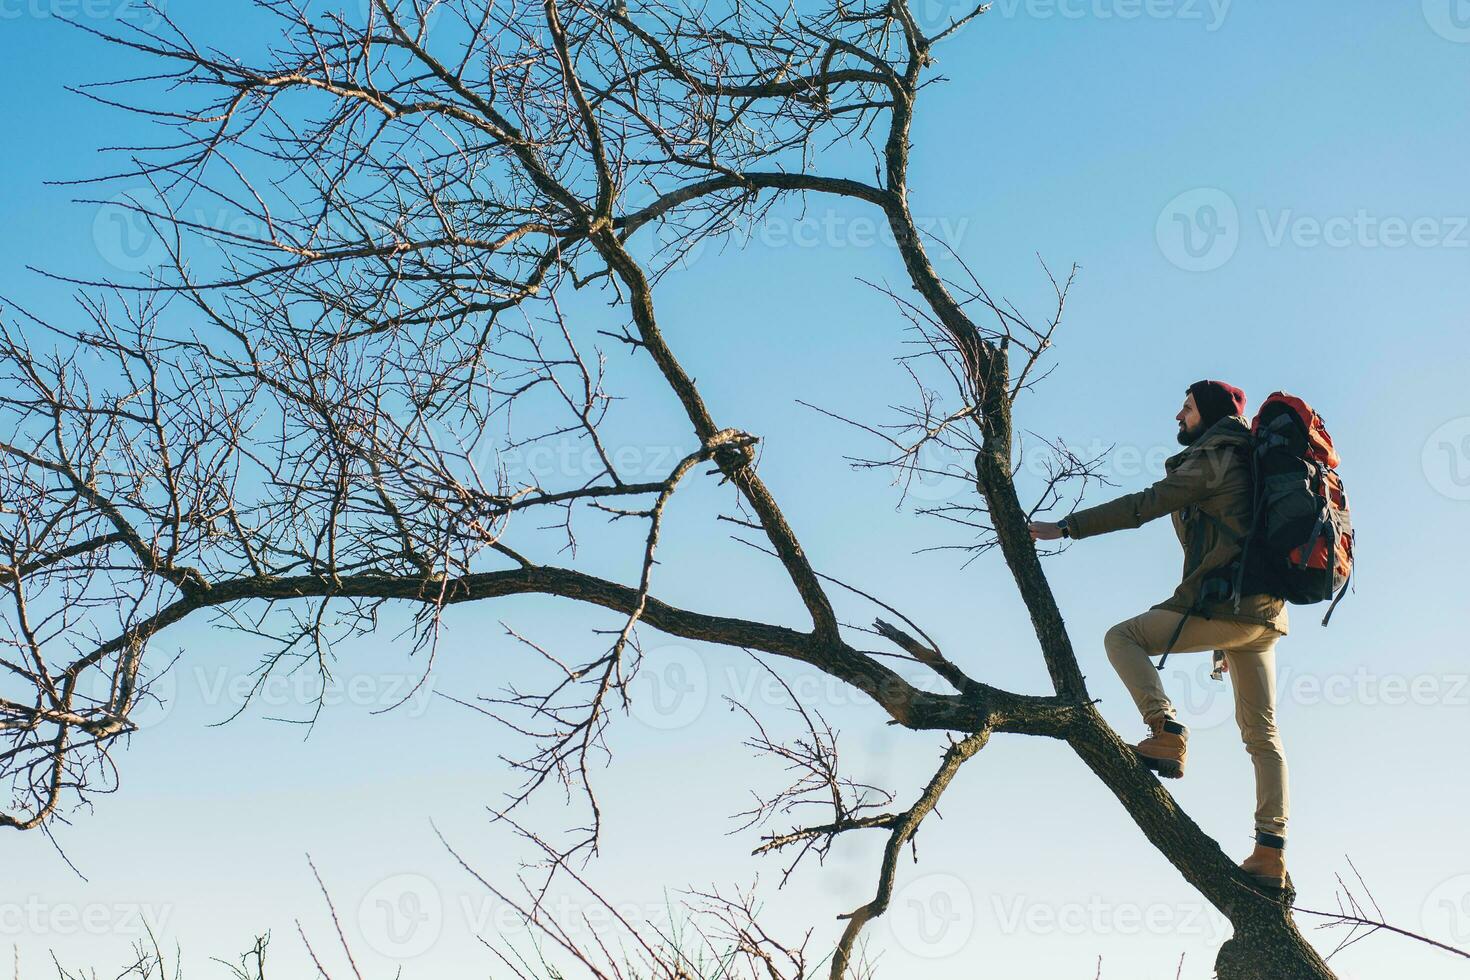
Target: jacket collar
(1228, 429)
(1233, 429)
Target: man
(1207, 489)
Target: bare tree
(295, 425)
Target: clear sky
(1270, 194)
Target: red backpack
(1300, 546)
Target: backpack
(1300, 546)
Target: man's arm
(1186, 485)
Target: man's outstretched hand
(1045, 531)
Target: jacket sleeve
(1188, 484)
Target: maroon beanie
(1217, 400)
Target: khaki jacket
(1207, 489)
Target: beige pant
(1250, 652)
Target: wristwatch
(1062, 525)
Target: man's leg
(1130, 644)
(1133, 642)
(1253, 675)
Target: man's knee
(1121, 641)
(1261, 736)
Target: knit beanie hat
(1217, 400)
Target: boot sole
(1166, 768)
(1267, 881)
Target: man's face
(1189, 421)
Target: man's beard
(1187, 437)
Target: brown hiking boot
(1267, 863)
(1164, 751)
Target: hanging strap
(1199, 604)
(1340, 593)
(1209, 588)
(1174, 639)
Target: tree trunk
(1267, 944)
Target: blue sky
(1313, 153)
